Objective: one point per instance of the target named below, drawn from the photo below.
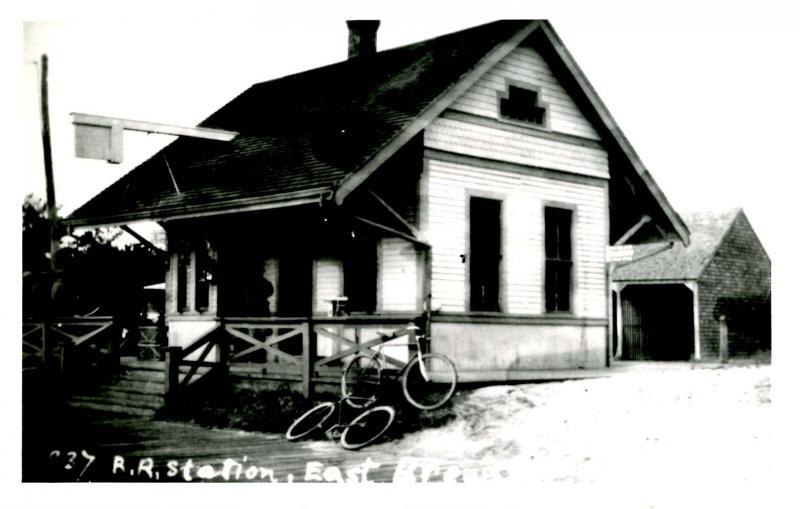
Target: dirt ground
(665, 425)
(675, 424)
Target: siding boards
(328, 284)
(450, 185)
(398, 275)
(526, 66)
(468, 138)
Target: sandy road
(674, 424)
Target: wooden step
(133, 363)
(130, 373)
(80, 402)
(113, 394)
(118, 399)
(141, 376)
(140, 386)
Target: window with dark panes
(522, 104)
(201, 279)
(184, 258)
(558, 258)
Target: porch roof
(322, 132)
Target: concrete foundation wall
(500, 350)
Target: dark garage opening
(657, 322)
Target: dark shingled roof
(680, 262)
(299, 134)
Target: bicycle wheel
(312, 420)
(433, 387)
(367, 427)
(361, 380)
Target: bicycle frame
(382, 357)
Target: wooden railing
(299, 350)
(175, 357)
(75, 341)
(149, 343)
(352, 338)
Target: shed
(669, 299)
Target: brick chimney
(363, 37)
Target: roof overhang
(306, 197)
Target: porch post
(723, 339)
(620, 329)
(426, 289)
(171, 362)
(609, 313)
(696, 319)
(309, 355)
(224, 351)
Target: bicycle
(428, 379)
(359, 432)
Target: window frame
(505, 93)
(573, 210)
(183, 265)
(202, 284)
(501, 285)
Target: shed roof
(653, 262)
(324, 131)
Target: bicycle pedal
(333, 434)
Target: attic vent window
(522, 104)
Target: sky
(690, 92)
(705, 92)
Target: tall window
(485, 254)
(184, 259)
(558, 258)
(201, 279)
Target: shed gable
(736, 283)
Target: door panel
(485, 255)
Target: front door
(485, 254)
(294, 285)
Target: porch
(301, 353)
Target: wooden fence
(306, 351)
(62, 341)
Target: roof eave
(285, 200)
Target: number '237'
(70, 458)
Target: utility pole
(48, 167)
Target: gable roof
(322, 132)
(302, 133)
(656, 262)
